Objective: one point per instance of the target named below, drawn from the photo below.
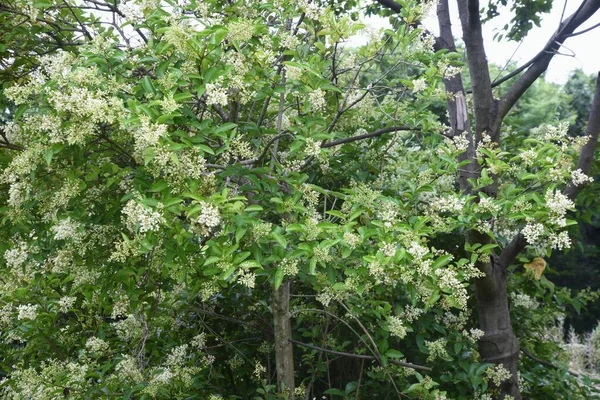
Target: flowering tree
(208, 199)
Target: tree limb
(540, 62)
(378, 132)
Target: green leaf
(279, 239)
(391, 353)
(278, 280)
(442, 261)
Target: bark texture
(284, 354)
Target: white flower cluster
(486, 204)
(27, 311)
(66, 303)
(388, 249)
(579, 178)
(240, 31)
(558, 204)
(419, 85)
(461, 142)
(418, 252)
(66, 229)
(313, 148)
(560, 241)
(351, 239)
(199, 341)
(141, 217)
(396, 327)
(533, 233)
(498, 374)
(178, 356)
(473, 335)
(293, 73)
(528, 157)
(523, 300)
(209, 215)
(17, 256)
(437, 349)
(551, 133)
(317, 100)
(148, 134)
(131, 11)
(216, 94)
(448, 279)
(448, 204)
(128, 371)
(289, 267)
(311, 9)
(97, 347)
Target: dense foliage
(168, 176)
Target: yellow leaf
(538, 265)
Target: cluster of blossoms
(558, 204)
(419, 85)
(289, 266)
(498, 374)
(437, 349)
(141, 218)
(209, 215)
(579, 178)
(27, 311)
(66, 229)
(351, 239)
(396, 327)
(317, 100)
(148, 134)
(216, 94)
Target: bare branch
(539, 64)
(368, 135)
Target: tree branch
(539, 64)
(391, 4)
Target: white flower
(388, 249)
(141, 217)
(313, 148)
(97, 347)
(561, 241)
(27, 311)
(216, 94)
(533, 233)
(558, 204)
(127, 370)
(66, 303)
(209, 215)
(294, 73)
(419, 85)
(528, 157)
(579, 178)
(317, 100)
(396, 327)
(66, 229)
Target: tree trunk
(284, 355)
(499, 345)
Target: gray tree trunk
(284, 355)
